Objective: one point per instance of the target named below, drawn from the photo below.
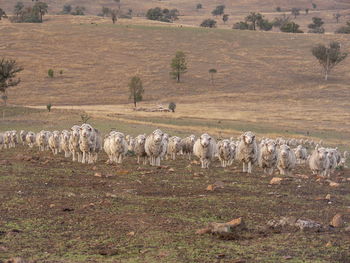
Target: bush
(278, 9)
(208, 23)
(163, 15)
(265, 25)
(241, 25)
(172, 106)
(50, 73)
(79, 11)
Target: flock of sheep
(83, 143)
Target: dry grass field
(53, 210)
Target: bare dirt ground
(53, 210)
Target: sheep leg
(244, 168)
(83, 160)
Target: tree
(164, 15)
(136, 90)
(253, 18)
(41, 8)
(329, 56)
(105, 11)
(337, 16)
(199, 6)
(314, 6)
(212, 72)
(79, 11)
(241, 26)
(178, 65)
(264, 24)
(278, 9)
(8, 72)
(18, 8)
(172, 106)
(316, 25)
(295, 12)
(67, 9)
(280, 21)
(291, 27)
(114, 15)
(225, 18)
(2, 14)
(218, 11)
(208, 23)
(307, 11)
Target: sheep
(7, 139)
(1, 141)
(224, 151)
(13, 139)
(131, 142)
(205, 149)
(90, 143)
(342, 163)
(22, 137)
(319, 161)
(42, 140)
(154, 147)
(64, 143)
(332, 155)
(165, 146)
(268, 156)
(174, 147)
(286, 160)
(118, 147)
(301, 154)
(139, 148)
(54, 142)
(187, 145)
(30, 139)
(233, 146)
(247, 151)
(74, 143)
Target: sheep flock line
(84, 143)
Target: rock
(333, 184)
(210, 187)
(171, 170)
(229, 229)
(195, 162)
(329, 244)
(111, 195)
(219, 184)
(98, 174)
(303, 176)
(132, 233)
(276, 181)
(203, 231)
(52, 205)
(337, 221)
(347, 229)
(328, 197)
(282, 222)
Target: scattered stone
(276, 180)
(229, 229)
(333, 184)
(337, 221)
(132, 233)
(94, 168)
(211, 187)
(347, 229)
(307, 224)
(292, 222)
(52, 205)
(328, 197)
(195, 162)
(171, 170)
(303, 176)
(111, 195)
(329, 244)
(287, 257)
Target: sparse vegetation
(79, 11)
(50, 73)
(242, 26)
(314, 6)
(172, 106)
(218, 11)
(163, 15)
(290, 27)
(178, 65)
(85, 117)
(253, 18)
(295, 12)
(33, 14)
(8, 73)
(307, 11)
(199, 6)
(316, 25)
(136, 90)
(281, 21)
(328, 57)
(208, 23)
(344, 29)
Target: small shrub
(85, 117)
(241, 25)
(48, 107)
(208, 23)
(61, 72)
(172, 106)
(278, 9)
(50, 73)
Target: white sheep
(247, 151)
(7, 139)
(301, 154)
(64, 143)
(233, 145)
(205, 149)
(224, 151)
(90, 143)
(154, 147)
(187, 145)
(174, 147)
(1, 141)
(286, 160)
(116, 147)
(74, 143)
(332, 155)
(30, 139)
(319, 162)
(42, 140)
(13, 139)
(139, 148)
(54, 142)
(22, 137)
(268, 156)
